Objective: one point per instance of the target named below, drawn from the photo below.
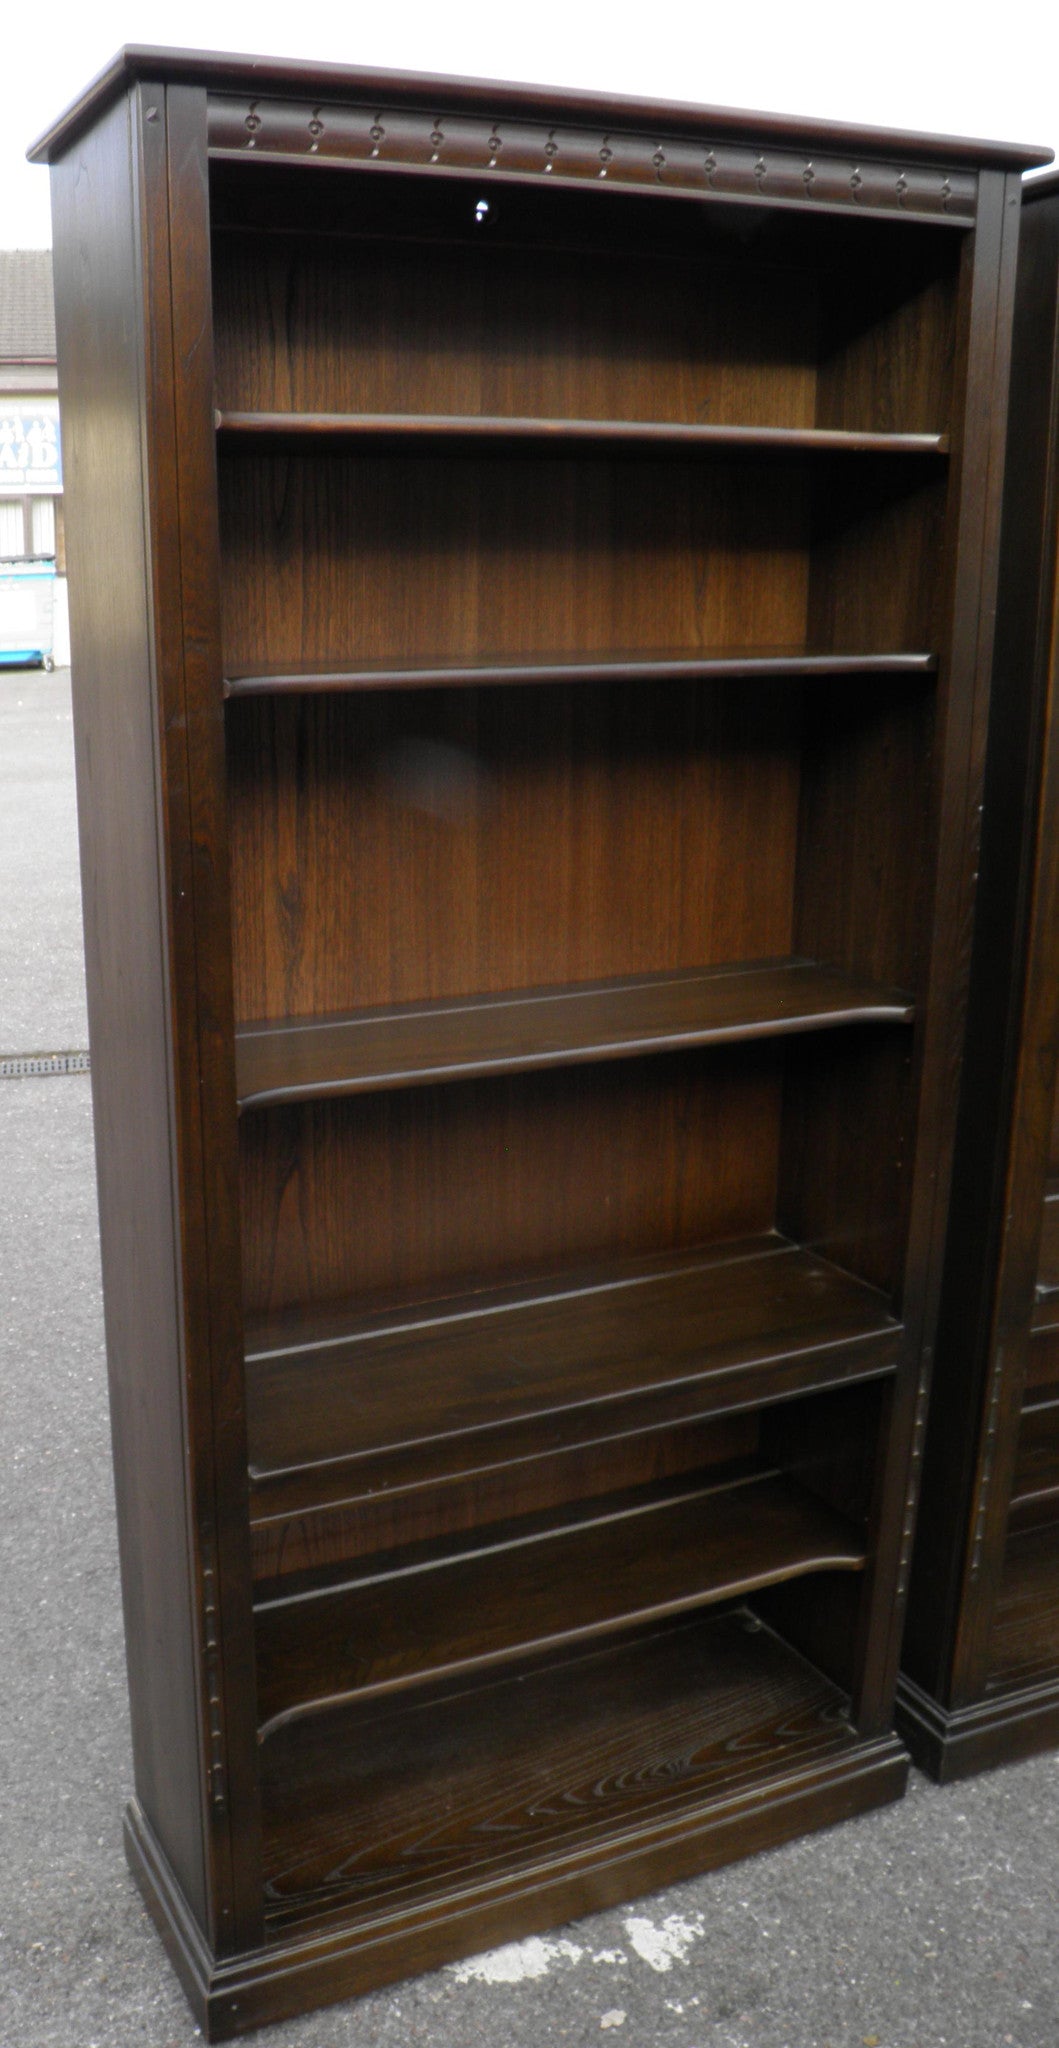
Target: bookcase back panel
(437, 1188)
(1053, 1147)
(553, 1470)
(344, 559)
(605, 306)
(437, 843)
(320, 326)
(827, 1443)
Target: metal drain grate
(17, 1066)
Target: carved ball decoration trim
(527, 150)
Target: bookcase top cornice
(270, 77)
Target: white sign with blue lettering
(30, 456)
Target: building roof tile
(27, 312)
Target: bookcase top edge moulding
(532, 561)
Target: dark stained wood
(100, 237)
(391, 850)
(1042, 1358)
(396, 430)
(847, 1142)
(661, 1740)
(887, 360)
(967, 593)
(701, 1330)
(316, 1517)
(955, 1742)
(958, 598)
(558, 103)
(753, 665)
(408, 314)
(697, 1716)
(1047, 1287)
(344, 559)
(566, 1270)
(1024, 1639)
(1035, 1487)
(873, 568)
(527, 157)
(423, 315)
(346, 1198)
(299, 1059)
(831, 1448)
(203, 992)
(636, 1561)
(969, 1651)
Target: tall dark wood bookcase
(980, 1682)
(532, 562)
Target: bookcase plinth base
(284, 1979)
(953, 1743)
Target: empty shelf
(664, 665)
(625, 1347)
(678, 1733)
(399, 1624)
(453, 430)
(299, 1059)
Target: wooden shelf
(667, 665)
(449, 1387)
(453, 431)
(303, 1059)
(367, 1810)
(667, 1551)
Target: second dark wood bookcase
(532, 562)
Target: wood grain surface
(455, 843)
(660, 666)
(556, 1757)
(1024, 1639)
(626, 1561)
(417, 1189)
(305, 1058)
(477, 1365)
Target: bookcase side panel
(964, 607)
(188, 576)
(1025, 1257)
(101, 347)
(951, 1594)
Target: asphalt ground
(930, 1924)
